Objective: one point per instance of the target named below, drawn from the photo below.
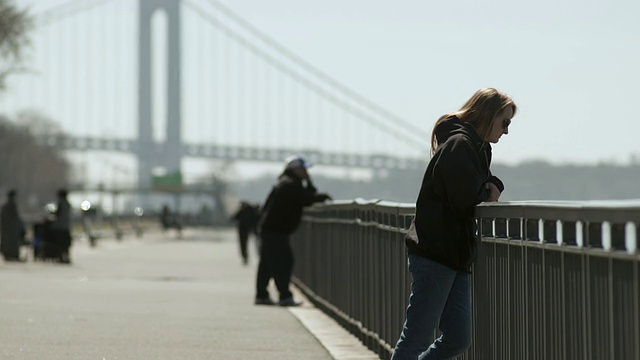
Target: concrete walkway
(158, 297)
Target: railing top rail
(617, 211)
(614, 211)
(364, 204)
(623, 218)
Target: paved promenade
(156, 298)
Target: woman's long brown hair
(480, 111)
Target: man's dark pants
(276, 260)
(243, 237)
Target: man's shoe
(264, 301)
(289, 302)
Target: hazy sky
(571, 66)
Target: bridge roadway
(158, 297)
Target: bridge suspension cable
(313, 70)
(400, 130)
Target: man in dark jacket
(280, 218)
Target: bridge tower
(152, 154)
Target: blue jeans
(440, 296)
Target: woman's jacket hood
(452, 126)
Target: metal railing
(552, 280)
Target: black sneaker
(289, 302)
(264, 301)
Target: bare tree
(14, 25)
(35, 170)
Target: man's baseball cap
(295, 161)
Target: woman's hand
(494, 193)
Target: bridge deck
(154, 298)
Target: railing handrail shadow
(553, 280)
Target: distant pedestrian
(11, 229)
(281, 216)
(441, 240)
(246, 219)
(169, 220)
(61, 227)
(165, 217)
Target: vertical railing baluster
(630, 238)
(559, 233)
(606, 235)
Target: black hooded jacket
(444, 227)
(283, 207)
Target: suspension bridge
(168, 80)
